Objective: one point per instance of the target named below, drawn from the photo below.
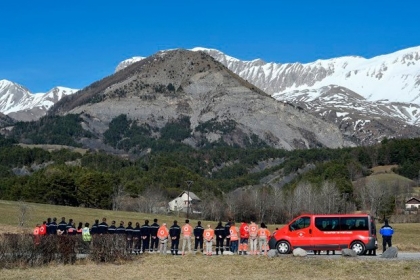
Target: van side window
(300, 223)
(355, 223)
(327, 224)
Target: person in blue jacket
(386, 231)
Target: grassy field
(227, 267)
(407, 238)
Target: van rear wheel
(283, 247)
(358, 247)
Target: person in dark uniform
(94, 229)
(219, 232)
(373, 232)
(120, 229)
(145, 236)
(198, 237)
(154, 241)
(137, 239)
(227, 234)
(48, 225)
(386, 231)
(69, 226)
(103, 227)
(112, 228)
(120, 237)
(175, 234)
(129, 237)
(61, 228)
(53, 227)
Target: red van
(326, 232)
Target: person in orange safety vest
(186, 236)
(234, 237)
(208, 236)
(253, 237)
(263, 236)
(162, 235)
(43, 228)
(36, 235)
(244, 234)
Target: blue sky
(74, 43)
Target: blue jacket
(386, 230)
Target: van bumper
(272, 243)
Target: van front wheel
(358, 247)
(283, 247)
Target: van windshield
(300, 223)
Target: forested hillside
(232, 181)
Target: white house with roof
(412, 204)
(181, 202)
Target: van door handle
(310, 231)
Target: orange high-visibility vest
(208, 234)
(162, 232)
(187, 230)
(43, 230)
(267, 233)
(253, 230)
(233, 233)
(261, 232)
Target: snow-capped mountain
(19, 103)
(369, 99)
(393, 77)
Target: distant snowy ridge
(392, 77)
(15, 98)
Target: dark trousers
(227, 244)
(386, 240)
(137, 244)
(198, 242)
(219, 245)
(154, 243)
(174, 246)
(146, 244)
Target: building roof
(413, 200)
(192, 195)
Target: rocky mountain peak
(219, 105)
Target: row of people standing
(147, 238)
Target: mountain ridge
(19, 103)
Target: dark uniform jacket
(62, 226)
(227, 229)
(112, 229)
(153, 229)
(198, 232)
(219, 232)
(52, 228)
(175, 231)
(94, 229)
(129, 232)
(120, 230)
(103, 228)
(145, 231)
(137, 232)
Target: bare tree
(24, 214)
(151, 200)
(117, 197)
